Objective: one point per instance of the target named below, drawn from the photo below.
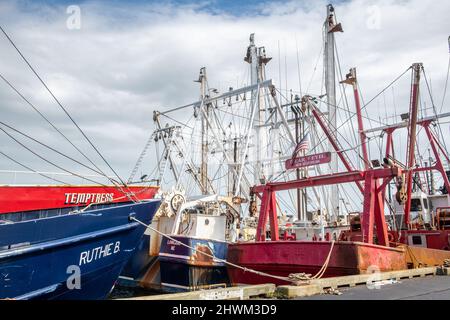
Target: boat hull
(184, 269)
(282, 258)
(78, 256)
(31, 198)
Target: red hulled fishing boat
(16, 199)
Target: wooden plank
(231, 293)
(317, 286)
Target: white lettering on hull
(85, 198)
(97, 253)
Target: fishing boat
(66, 241)
(373, 246)
(19, 201)
(192, 255)
(77, 255)
(172, 246)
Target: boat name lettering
(79, 198)
(99, 252)
(172, 243)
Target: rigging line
(340, 134)
(345, 140)
(434, 110)
(343, 89)
(315, 68)
(179, 122)
(366, 104)
(298, 68)
(49, 122)
(48, 147)
(60, 105)
(446, 83)
(32, 170)
(48, 161)
(353, 113)
(387, 87)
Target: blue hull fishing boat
(185, 269)
(71, 256)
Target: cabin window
(416, 205)
(425, 203)
(416, 240)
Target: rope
(60, 104)
(127, 195)
(291, 278)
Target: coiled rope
(295, 278)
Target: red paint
(27, 198)
(306, 161)
(435, 239)
(334, 143)
(285, 257)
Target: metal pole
(204, 133)
(158, 125)
(351, 79)
(330, 85)
(412, 130)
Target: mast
(412, 131)
(257, 59)
(330, 86)
(252, 59)
(204, 148)
(352, 80)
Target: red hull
(285, 257)
(28, 198)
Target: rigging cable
(48, 147)
(434, 110)
(48, 161)
(366, 104)
(60, 105)
(446, 80)
(48, 121)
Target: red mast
(351, 79)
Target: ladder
(139, 160)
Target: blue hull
(184, 269)
(78, 256)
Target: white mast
(330, 87)
(257, 59)
(252, 58)
(204, 163)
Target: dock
(429, 282)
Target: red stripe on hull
(285, 257)
(30, 198)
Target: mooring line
(290, 279)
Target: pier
(429, 282)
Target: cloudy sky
(124, 59)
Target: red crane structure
(374, 246)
